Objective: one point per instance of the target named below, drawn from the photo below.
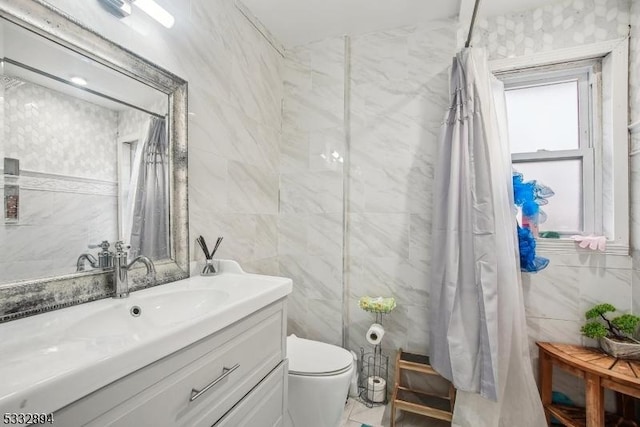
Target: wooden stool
(416, 401)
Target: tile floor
(356, 414)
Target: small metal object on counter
(209, 269)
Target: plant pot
(620, 349)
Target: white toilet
(319, 378)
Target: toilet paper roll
(375, 334)
(376, 389)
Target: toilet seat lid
(307, 357)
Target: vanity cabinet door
(265, 406)
(161, 394)
(253, 354)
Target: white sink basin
(142, 314)
(171, 308)
(53, 359)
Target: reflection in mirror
(86, 160)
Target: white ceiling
(297, 22)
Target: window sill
(570, 246)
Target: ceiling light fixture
(78, 81)
(154, 10)
(120, 8)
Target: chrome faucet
(121, 269)
(86, 257)
(104, 261)
(105, 257)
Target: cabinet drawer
(265, 406)
(168, 403)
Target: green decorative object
(616, 335)
(377, 304)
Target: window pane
(564, 177)
(543, 117)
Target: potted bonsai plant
(616, 335)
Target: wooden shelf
(572, 416)
(416, 363)
(423, 404)
(417, 401)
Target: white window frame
(585, 73)
(616, 52)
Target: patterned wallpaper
(554, 26)
(133, 122)
(51, 132)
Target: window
(587, 163)
(551, 131)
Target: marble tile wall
(235, 94)
(310, 224)
(399, 93)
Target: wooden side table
(599, 371)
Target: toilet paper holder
(374, 367)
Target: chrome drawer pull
(225, 373)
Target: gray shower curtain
(150, 195)
(478, 334)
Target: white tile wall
(310, 227)
(235, 93)
(398, 93)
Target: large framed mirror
(93, 150)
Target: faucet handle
(121, 246)
(104, 245)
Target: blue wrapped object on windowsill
(529, 262)
(529, 196)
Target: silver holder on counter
(209, 269)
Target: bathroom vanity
(197, 352)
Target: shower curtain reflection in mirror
(145, 220)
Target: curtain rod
(476, 6)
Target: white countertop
(52, 359)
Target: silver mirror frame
(30, 297)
